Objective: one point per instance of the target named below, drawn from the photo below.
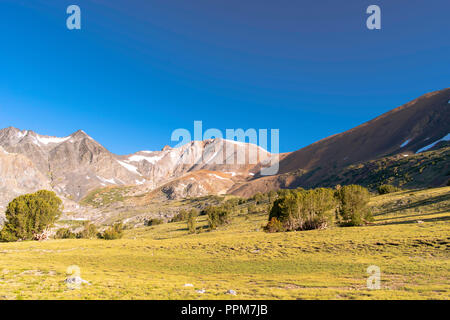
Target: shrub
(64, 233)
(274, 226)
(154, 222)
(353, 207)
(387, 188)
(283, 192)
(252, 208)
(304, 209)
(29, 216)
(218, 216)
(89, 231)
(181, 216)
(232, 203)
(113, 232)
(259, 198)
(285, 209)
(192, 221)
(272, 195)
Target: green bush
(181, 216)
(89, 231)
(259, 198)
(218, 216)
(353, 207)
(387, 188)
(65, 233)
(304, 209)
(154, 222)
(29, 216)
(274, 226)
(192, 221)
(232, 203)
(113, 232)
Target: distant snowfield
(151, 159)
(111, 181)
(140, 182)
(47, 140)
(129, 167)
(446, 138)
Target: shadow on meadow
(445, 218)
(425, 202)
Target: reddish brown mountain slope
(405, 130)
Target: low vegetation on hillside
(408, 240)
(421, 170)
(105, 196)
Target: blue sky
(137, 70)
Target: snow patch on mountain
(140, 182)
(48, 140)
(129, 167)
(446, 138)
(405, 143)
(111, 181)
(151, 159)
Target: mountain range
(77, 165)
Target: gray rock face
(18, 175)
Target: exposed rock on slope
(74, 165)
(18, 175)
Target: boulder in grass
(75, 282)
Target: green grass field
(409, 241)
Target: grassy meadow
(409, 241)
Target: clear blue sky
(137, 70)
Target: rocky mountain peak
(80, 134)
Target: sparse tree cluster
(218, 216)
(90, 231)
(316, 208)
(181, 216)
(303, 210)
(114, 232)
